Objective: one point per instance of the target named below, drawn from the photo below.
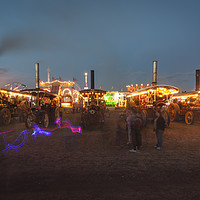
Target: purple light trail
(22, 138)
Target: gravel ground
(96, 164)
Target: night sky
(118, 39)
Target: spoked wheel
(30, 120)
(5, 116)
(173, 111)
(189, 117)
(45, 121)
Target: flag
(74, 80)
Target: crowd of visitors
(134, 125)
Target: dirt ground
(96, 164)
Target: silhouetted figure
(159, 127)
(136, 127)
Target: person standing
(136, 133)
(159, 127)
(128, 123)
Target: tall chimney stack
(154, 78)
(92, 79)
(37, 78)
(197, 79)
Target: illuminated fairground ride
(68, 90)
(152, 98)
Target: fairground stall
(185, 106)
(151, 98)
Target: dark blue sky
(119, 39)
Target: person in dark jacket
(136, 127)
(159, 127)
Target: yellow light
(185, 96)
(66, 105)
(137, 93)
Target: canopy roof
(186, 94)
(93, 91)
(155, 87)
(42, 93)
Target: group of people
(134, 126)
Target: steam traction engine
(13, 104)
(185, 106)
(44, 108)
(151, 98)
(93, 105)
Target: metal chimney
(92, 79)
(197, 79)
(154, 77)
(37, 78)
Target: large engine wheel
(173, 111)
(30, 120)
(159, 105)
(5, 116)
(45, 121)
(189, 117)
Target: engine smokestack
(37, 78)
(197, 79)
(154, 77)
(92, 79)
